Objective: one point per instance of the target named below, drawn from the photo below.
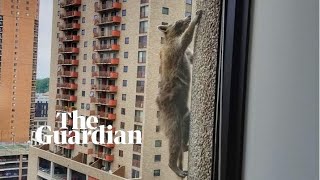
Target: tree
(42, 85)
(203, 91)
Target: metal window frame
(230, 114)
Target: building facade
(18, 65)
(40, 116)
(105, 63)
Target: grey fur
(174, 88)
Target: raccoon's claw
(199, 13)
(198, 16)
(185, 173)
(182, 174)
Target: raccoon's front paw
(199, 15)
(199, 12)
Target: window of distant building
(165, 10)
(144, 11)
(135, 173)
(143, 27)
(143, 41)
(123, 111)
(156, 172)
(125, 54)
(122, 125)
(124, 97)
(123, 26)
(124, 12)
(142, 56)
(126, 40)
(158, 143)
(120, 153)
(125, 68)
(157, 158)
(124, 83)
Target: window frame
(231, 96)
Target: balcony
(59, 108)
(108, 116)
(109, 6)
(107, 20)
(69, 134)
(69, 146)
(109, 34)
(106, 47)
(136, 163)
(72, 86)
(104, 101)
(140, 89)
(105, 74)
(66, 97)
(70, 122)
(69, 26)
(139, 104)
(65, 108)
(70, 14)
(72, 74)
(72, 134)
(137, 148)
(70, 62)
(109, 158)
(138, 119)
(109, 145)
(144, 1)
(69, 50)
(143, 15)
(106, 88)
(103, 115)
(70, 38)
(90, 151)
(67, 3)
(141, 74)
(111, 61)
(142, 45)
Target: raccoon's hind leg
(185, 131)
(174, 154)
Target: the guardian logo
(88, 131)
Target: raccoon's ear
(163, 28)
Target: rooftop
(13, 149)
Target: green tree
(42, 85)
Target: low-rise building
(13, 161)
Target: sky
(44, 39)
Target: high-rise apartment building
(18, 62)
(105, 62)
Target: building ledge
(43, 152)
